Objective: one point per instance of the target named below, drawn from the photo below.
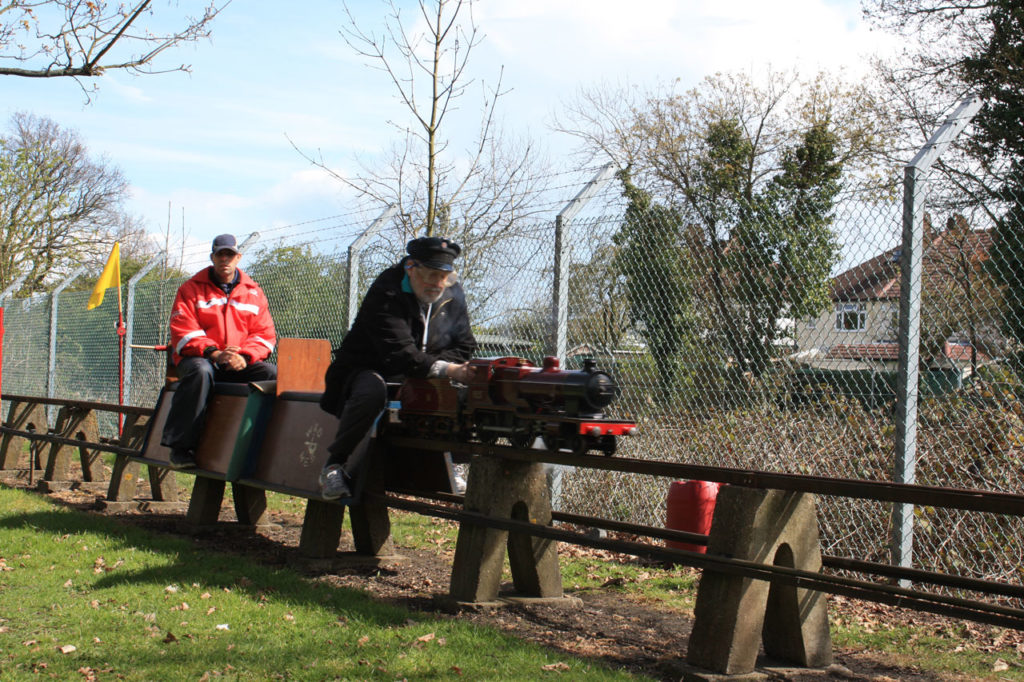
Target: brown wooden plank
(301, 364)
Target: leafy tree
(959, 47)
(658, 280)
(71, 38)
(995, 69)
(58, 206)
(753, 171)
(977, 47)
(286, 274)
(782, 250)
(953, 49)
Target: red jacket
(203, 316)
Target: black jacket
(387, 336)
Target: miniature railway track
(444, 506)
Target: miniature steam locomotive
(511, 398)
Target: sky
(217, 147)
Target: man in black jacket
(413, 322)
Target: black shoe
(182, 459)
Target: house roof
(864, 351)
(890, 352)
(878, 278)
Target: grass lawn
(85, 597)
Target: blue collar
(406, 285)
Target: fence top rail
(84, 404)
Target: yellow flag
(110, 277)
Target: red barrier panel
(690, 507)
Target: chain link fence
(774, 347)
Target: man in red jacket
(221, 330)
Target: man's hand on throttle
(461, 373)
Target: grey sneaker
(459, 473)
(333, 484)
(182, 459)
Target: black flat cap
(434, 252)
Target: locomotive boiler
(511, 398)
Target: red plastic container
(690, 507)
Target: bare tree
(58, 207)
(475, 195)
(85, 38)
(926, 81)
(479, 196)
(960, 298)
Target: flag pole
(121, 331)
(110, 277)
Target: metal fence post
(560, 301)
(130, 322)
(15, 285)
(51, 367)
(251, 239)
(911, 269)
(3, 297)
(352, 284)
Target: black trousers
(364, 396)
(196, 375)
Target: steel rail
(85, 404)
(932, 495)
(51, 438)
(829, 561)
(992, 614)
(883, 491)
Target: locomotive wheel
(443, 428)
(550, 442)
(579, 445)
(412, 425)
(607, 445)
(483, 433)
(521, 440)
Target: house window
(851, 317)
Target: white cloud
(115, 85)
(581, 41)
(202, 214)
